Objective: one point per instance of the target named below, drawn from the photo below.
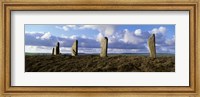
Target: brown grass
(94, 63)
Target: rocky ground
(94, 63)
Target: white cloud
(89, 50)
(61, 42)
(66, 27)
(167, 50)
(154, 31)
(38, 49)
(160, 30)
(46, 49)
(46, 36)
(112, 39)
(107, 30)
(164, 49)
(130, 38)
(170, 41)
(118, 36)
(37, 37)
(112, 50)
(58, 27)
(73, 37)
(157, 44)
(70, 26)
(138, 32)
(82, 44)
(65, 49)
(93, 27)
(43, 37)
(63, 36)
(99, 37)
(33, 32)
(126, 39)
(83, 36)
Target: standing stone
(53, 51)
(152, 47)
(104, 46)
(58, 44)
(57, 49)
(75, 48)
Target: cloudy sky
(121, 38)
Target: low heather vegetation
(94, 63)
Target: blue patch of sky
(58, 31)
(146, 28)
(91, 32)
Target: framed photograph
(100, 47)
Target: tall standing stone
(57, 49)
(104, 47)
(53, 51)
(152, 47)
(75, 48)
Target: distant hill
(109, 54)
(37, 53)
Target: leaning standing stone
(75, 48)
(151, 44)
(104, 46)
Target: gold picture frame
(119, 5)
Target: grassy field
(94, 63)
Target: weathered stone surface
(104, 47)
(75, 48)
(152, 47)
(57, 49)
(53, 51)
